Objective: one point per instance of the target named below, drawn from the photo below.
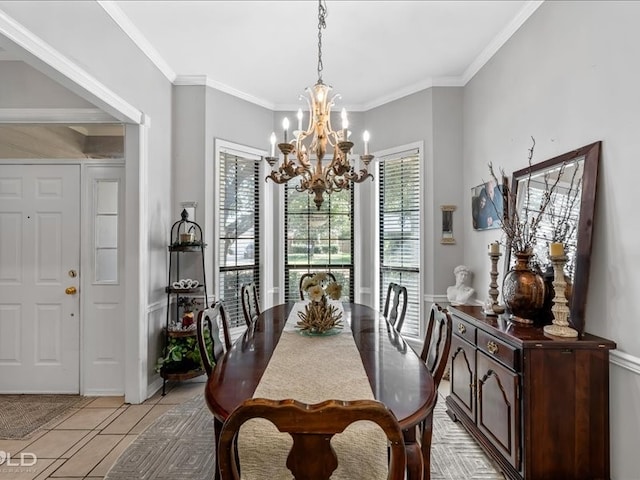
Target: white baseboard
(624, 360)
(98, 392)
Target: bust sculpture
(461, 293)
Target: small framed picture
(487, 205)
(447, 224)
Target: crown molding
(196, 80)
(492, 48)
(55, 115)
(40, 55)
(127, 26)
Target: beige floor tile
(62, 418)
(15, 446)
(107, 402)
(105, 465)
(50, 469)
(150, 417)
(55, 443)
(127, 420)
(73, 450)
(182, 393)
(112, 417)
(88, 456)
(86, 419)
(8, 472)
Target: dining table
(397, 376)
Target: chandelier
(317, 140)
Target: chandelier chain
(322, 14)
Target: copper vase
(523, 291)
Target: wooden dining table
(398, 378)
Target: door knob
(70, 290)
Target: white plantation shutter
(399, 220)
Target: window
(399, 221)
(239, 227)
(318, 240)
(106, 231)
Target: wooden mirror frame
(584, 231)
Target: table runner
(313, 369)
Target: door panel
(498, 407)
(463, 365)
(39, 244)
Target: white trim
(496, 44)
(430, 298)
(127, 26)
(203, 80)
(55, 115)
(624, 360)
(265, 224)
(394, 152)
(41, 56)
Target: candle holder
(560, 325)
(493, 287)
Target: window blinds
(239, 222)
(399, 220)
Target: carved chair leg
(425, 440)
(415, 466)
(217, 428)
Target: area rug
(21, 416)
(180, 444)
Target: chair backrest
(437, 343)
(395, 306)
(250, 303)
(311, 427)
(330, 277)
(211, 319)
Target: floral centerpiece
(319, 316)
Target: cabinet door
(461, 377)
(498, 407)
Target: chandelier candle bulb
(285, 127)
(299, 115)
(556, 249)
(272, 139)
(365, 137)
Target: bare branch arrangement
(521, 227)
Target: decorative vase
(523, 291)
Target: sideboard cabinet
(537, 404)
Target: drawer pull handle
(492, 347)
(461, 329)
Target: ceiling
(267, 51)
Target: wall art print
(487, 205)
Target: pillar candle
(556, 249)
(494, 247)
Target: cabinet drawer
(493, 347)
(464, 330)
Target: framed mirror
(568, 217)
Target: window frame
(380, 290)
(222, 146)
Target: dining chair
(250, 303)
(311, 428)
(211, 319)
(395, 306)
(331, 277)
(435, 354)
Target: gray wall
(432, 116)
(570, 77)
(23, 87)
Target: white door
(39, 278)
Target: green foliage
(182, 354)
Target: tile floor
(86, 442)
